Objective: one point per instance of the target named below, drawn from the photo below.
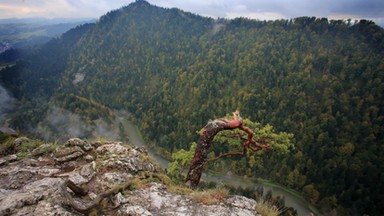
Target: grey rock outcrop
(157, 200)
(84, 145)
(34, 186)
(68, 153)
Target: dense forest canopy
(319, 79)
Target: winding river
(298, 203)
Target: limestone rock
(158, 201)
(42, 149)
(46, 171)
(82, 174)
(109, 179)
(47, 208)
(29, 195)
(88, 157)
(84, 145)
(241, 202)
(118, 200)
(7, 159)
(121, 157)
(68, 154)
(34, 186)
(128, 210)
(18, 175)
(109, 149)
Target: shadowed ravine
(290, 200)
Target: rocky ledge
(85, 178)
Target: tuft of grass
(211, 196)
(43, 149)
(102, 140)
(28, 146)
(6, 146)
(25, 149)
(164, 179)
(267, 209)
(179, 189)
(136, 184)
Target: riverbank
(290, 191)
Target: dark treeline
(320, 79)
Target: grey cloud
(288, 9)
(371, 9)
(354, 9)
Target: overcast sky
(257, 9)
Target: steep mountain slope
(172, 70)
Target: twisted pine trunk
(206, 137)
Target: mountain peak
(141, 2)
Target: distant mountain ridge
(46, 21)
(19, 33)
(173, 71)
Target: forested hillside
(320, 79)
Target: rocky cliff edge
(95, 178)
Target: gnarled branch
(205, 140)
(95, 203)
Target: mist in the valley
(61, 124)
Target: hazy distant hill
(173, 71)
(18, 33)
